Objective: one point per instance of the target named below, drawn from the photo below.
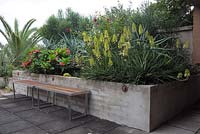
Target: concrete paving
(18, 117)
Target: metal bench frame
(44, 87)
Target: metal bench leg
(86, 104)
(38, 98)
(69, 108)
(27, 91)
(14, 91)
(54, 99)
(32, 96)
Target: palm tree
(19, 42)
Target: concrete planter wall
(143, 106)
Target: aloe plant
(133, 56)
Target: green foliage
(114, 20)
(19, 42)
(48, 61)
(68, 22)
(5, 66)
(76, 47)
(132, 56)
(164, 14)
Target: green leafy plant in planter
(76, 47)
(132, 56)
(48, 61)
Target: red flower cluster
(95, 20)
(62, 63)
(68, 30)
(68, 52)
(34, 51)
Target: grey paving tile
(5, 100)
(185, 123)
(78, 130)
(100, 126)
(3, 112)
(39, 118)
(96, 126)
(14, 126)
(6, 118)
(8, 105)
(31, 130)
(171, 130)
(126, 130)
(20, 108)
(64, 124)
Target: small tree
(19, 42)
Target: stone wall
(143, 106)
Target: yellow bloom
(91, 61)
(140, 29)
(186, 45)
(177, 43)
(110, 63)
(114, 38)
(134, 28)
(66, 75)
(151, 41)
(187, 73)
(106, 34)
(180, 75)
(101, 38)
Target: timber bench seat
(35, 87)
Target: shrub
(65, 22)
(48, 61)
(132, 56)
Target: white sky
(24, 10)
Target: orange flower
(26, 63)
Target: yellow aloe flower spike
(110, 63)
(91, 61)
(180, 75)
(140, 29)
(106, 34)
(114, 38)
(177, 43)
(109, 54)
(187, 73)
(151, 41)
(134, 28)
(121, 41)
(101, 38)
(186, 45)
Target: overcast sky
(24, 10)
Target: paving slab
(96, 126)
(171, 130)
(31, 130)
(64, 124)
(35, 116)
(126, 130)
(6, 118)
(185, 123)
(14, 126)
(17, 117)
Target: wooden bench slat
(66, 90)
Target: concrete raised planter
(143, 106)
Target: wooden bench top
(49, 87)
